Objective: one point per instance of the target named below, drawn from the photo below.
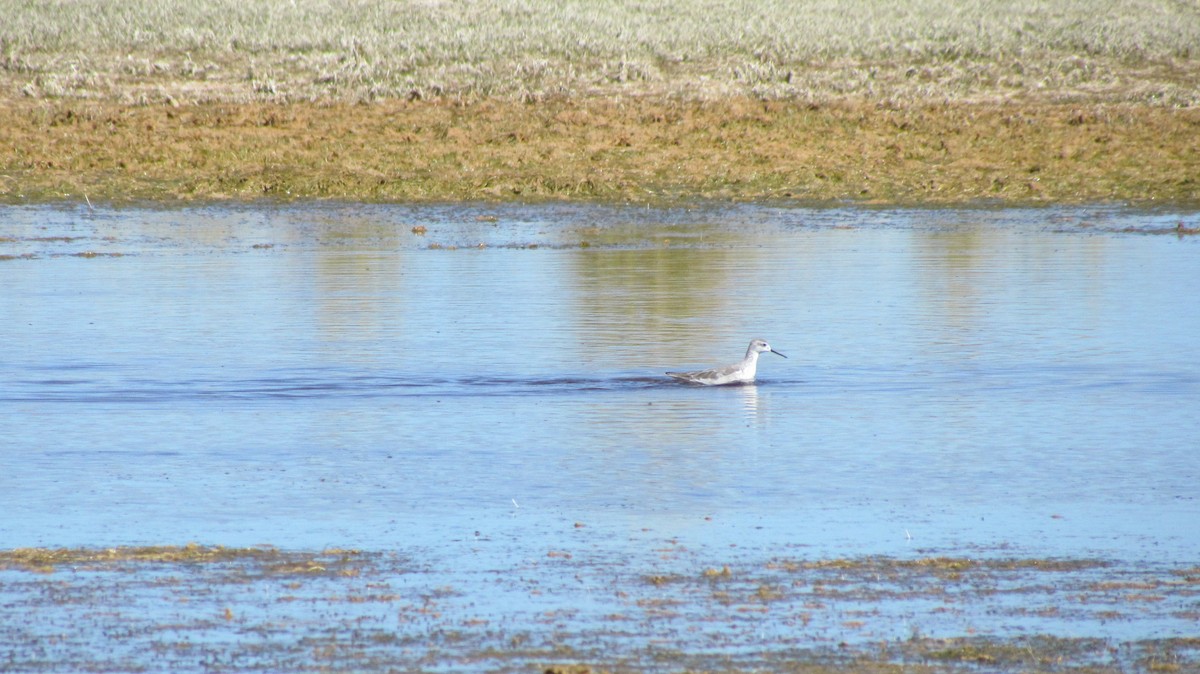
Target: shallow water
(963, 382)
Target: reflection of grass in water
(153, 50)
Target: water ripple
(77, 390)
(1029, 379)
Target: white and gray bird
(739, 373)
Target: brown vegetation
(841, 99)
(599, 149)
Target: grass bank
(895, 102)
(176, 51)
(635, 150)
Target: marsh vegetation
(197, 608)
(313, 50)
(921, 101)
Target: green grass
(152, 51)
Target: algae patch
(266, 559)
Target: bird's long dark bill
(777, 353)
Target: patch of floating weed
(659, 580)
(940, 565)
(1172, 654)
(1190, 575)
(765, 593)
(1035, 651)
(982, 654)
(573, 669)
(714, 573)
(268, 560)
(880, 564)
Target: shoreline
(600, 150)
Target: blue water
(990, 381)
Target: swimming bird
(738, 373)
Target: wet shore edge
(612, 150)
(199, 607)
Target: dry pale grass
(637, 150)
(184, 51)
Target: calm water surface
(980, 381)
